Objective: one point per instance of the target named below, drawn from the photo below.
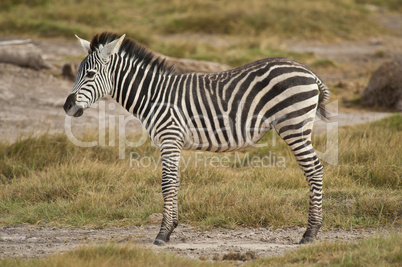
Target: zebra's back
(230, 110)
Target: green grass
(49, 180)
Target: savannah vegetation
(47, 180)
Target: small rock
(69, 70)
(385, 87)
(237, 256)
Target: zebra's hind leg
(170, 154)
(299, 142)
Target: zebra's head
(94, 78)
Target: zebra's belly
(222, 142)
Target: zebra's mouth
(71, 108)
(75, 111)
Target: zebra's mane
(133, 49)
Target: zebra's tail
(322, 111)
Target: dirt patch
(29, 241)
(32, 102)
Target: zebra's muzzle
(71, 108)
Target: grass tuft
(375, 251)
(109, 255)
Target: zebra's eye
(90, 74)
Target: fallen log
(22, 53)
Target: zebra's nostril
(67, 106)
(70, 102)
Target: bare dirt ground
(29, 241)
(31, 102)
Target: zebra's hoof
(159, 242)
(306, 240)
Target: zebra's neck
(138, 84)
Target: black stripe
(305, 133)
(290, 101)
(310, 151)
(295, 114)
(293, 126)
(135, 73)
(281, 87)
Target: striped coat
(216, 112)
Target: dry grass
(229, 32)
(296, 18)
(378, 251)
(250, 26)
(109, 255)
(50, 180)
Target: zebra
(218, 112)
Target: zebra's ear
(111, 48)
(85, 44)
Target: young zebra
(213, 112)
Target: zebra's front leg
(170, 154)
